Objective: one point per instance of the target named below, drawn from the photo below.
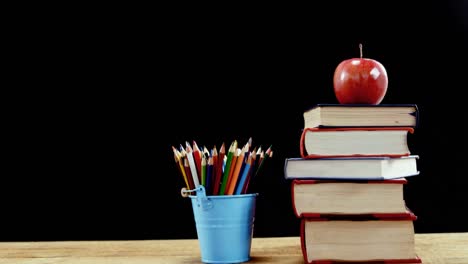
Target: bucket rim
(229, 196)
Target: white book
(364, 168)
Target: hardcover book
(313, 198)
(364, 239)
(351, 168)
(362, 115)
(346, 142)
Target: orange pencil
(232, 166)
(240, 161)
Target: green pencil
(266, 155)
(227, 167)
(203, 171)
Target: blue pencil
(243, 178)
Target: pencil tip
(259, 150)
(195, 146)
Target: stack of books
(348, 184)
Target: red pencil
(197, 154)
(189, 174)
(214, 155)
(219, 170)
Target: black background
(113, 89)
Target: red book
(373, 238)
(355, 142)
(312, 198)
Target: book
(345, 142)
(372, 238)
(362, 115)
(313, 198)
(355, 168)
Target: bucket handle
(202, 200)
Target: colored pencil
(197, 157)
(206, 153)
(180, 165)
(252, 168)
(249, 142)
(240, 161)
(243, 177)
(261, 160)
(227, 172)
(209, 176)
(263, 157)
(193, 168)
(227, 167)
(214, 156)
(219, 170)
(189, 174)
(203, 171)
(232, 168)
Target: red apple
(360, 81)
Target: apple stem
(360, 49)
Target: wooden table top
(432, 248)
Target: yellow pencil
(177, 157)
